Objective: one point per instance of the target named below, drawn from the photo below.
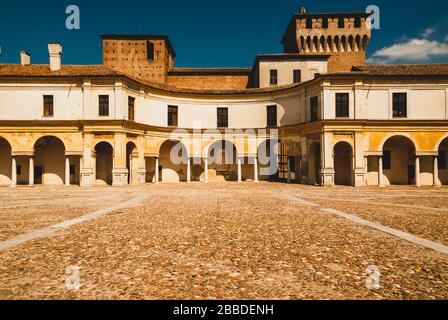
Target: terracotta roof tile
(404, 69)
(42, 70)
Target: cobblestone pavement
(224, 241)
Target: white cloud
(428, 32)
(412, 50)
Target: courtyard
(223, 241)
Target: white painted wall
(376, 103)
(26, 102)
(285, 71)
(74, 102)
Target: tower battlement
(345, 36)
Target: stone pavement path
(397, 233)
(230, 241)
(46, 232)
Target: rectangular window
(357, 22)
(309, 23)
(342, 105)
(313, 109)
(272, 116)
(48, 106)
(400, 105)
(273, 77)
(223, 118)
(297, 76)
(324, 23)
(150, 50)
(442, 160)
(341, 23)
(131, 108)
(103, 105)
(386, 160)
(72, 169)
(173, 118)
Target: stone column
(353, 169)
(255, 169)
(14, 172)
(67, 170)
(417, 171)
(288, 170)
(205, 169)
(188, 170)
(31, 172)
(380, 171)
(239, 169)
(87, 164)
(366, 164)
(130, 175)
(93, 169)
(436, 180)
(156, 174)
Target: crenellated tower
(343, 36)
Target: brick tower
(343, 36)
(147, 57)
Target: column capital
(151, 155)
(22, 153)
(74, 153)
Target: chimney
(55, 50)
(25, 58)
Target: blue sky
(227, 33)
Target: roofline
(110, 36)
(333, 14)
(252, 91)
(165, 88)
(292, 56)
(209, 71)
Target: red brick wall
(130, 57)
(210, 82)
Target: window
(273, 78)
(173, 112)
(297, 76)
(272, 116)
(19, 170)
(324, 23)
(341, 23)
(313, 109)
(399, 105)
(442, 160)
(342, 109)
(103, 106)
(386, 160)
(150, 50)
(48, 106)
(223, 117)
(72, 169)
(357, 22)
(131, 108)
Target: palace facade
(337, 119)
